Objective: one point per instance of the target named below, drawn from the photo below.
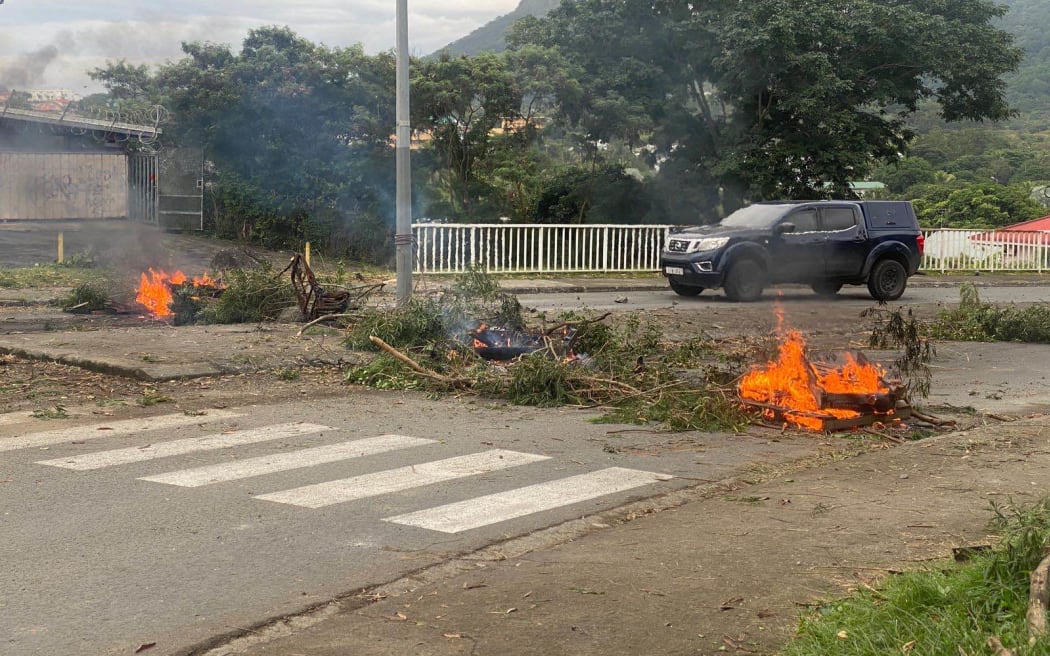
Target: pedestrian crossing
(440, 468)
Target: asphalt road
(792, 295)
(114, 537)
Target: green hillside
(489, 37)
(1028, 20)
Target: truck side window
(804, 220)
(838, 218)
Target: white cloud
(86, 35)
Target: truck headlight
(709, 244)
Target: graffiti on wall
(63, 186)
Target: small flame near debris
(796, 388)
(154, 290)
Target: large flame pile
(794, 388)
(154, 290)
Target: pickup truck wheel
(887, 280)
(685, 290)
(826, 288)
(745, 281)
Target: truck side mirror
(784, 227)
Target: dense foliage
(296, 133)
(607, 111)
(976, 321)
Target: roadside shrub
(86, 297)
(251, 295)
(975, 321)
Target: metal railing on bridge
(539, 248)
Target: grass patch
(950, 609)
(287, 374)
(50, 275)
(56, 412)
(153, 397)
(976, 321)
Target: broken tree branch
(416, 367)
(930, 419)
(326, 317)
(1039, 598)
(577, 324)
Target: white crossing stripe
(179, 447)
(494, 508)
(98, 431)
(402, 478)
(279, 462)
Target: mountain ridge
(490, 36)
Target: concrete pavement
(725, 568)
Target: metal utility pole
(403, 238)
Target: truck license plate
(674, 271)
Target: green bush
(251, 295)
(975, 321)
(86, 297)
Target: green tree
(460, 102)
(772, 98)
(986, 205)
(296, 134)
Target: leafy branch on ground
(900, 330)
(947, 608)
(251, 295)
(85, 297)
(976, 321)
(624, 365)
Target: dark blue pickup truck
(824, 244)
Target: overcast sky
(51, 43)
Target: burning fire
(154, 290)
(795, 389)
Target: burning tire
(887, 280)
(745, 281)
(685, 290)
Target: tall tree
(460, 102)
(779, 98)
(296, 133)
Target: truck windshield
(755, 216)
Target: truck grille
(678, 246)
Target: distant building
(865, 188)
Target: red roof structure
(1036, 231)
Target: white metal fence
(534, 248)
(986, 250)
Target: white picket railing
(986, 250)
(536, 248)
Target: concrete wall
(58, 186)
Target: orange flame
(792, 385)
(155, 293)
(154, 290)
